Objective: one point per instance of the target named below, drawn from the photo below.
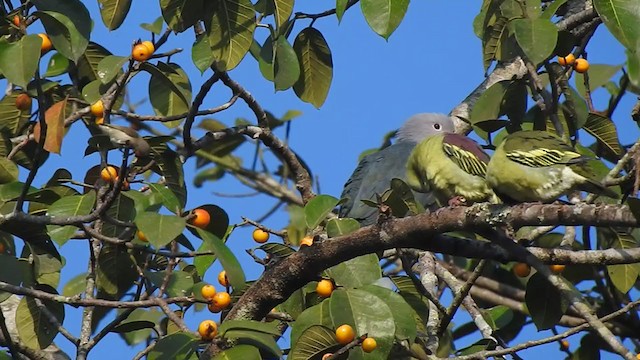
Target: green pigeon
(531, 166)
(452, 166)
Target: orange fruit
(109, 174)
(142, 236)
(564, 345)
(97, 108)
(23, 102)
(222, 278)
(306, 241)
(2, 248)
(260, 236)
(99, 120)
(369, 344)
(208, 292)
(566, 60)
(16, 20)
(324, 288)
(345, 334)
(521, 269)
(141, 52)
(557, 268)
(326, 356)
(581, 65)
(46, 43)
(208, 329)
(149, 46)
(201, 218)
(222, 300)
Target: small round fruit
(23, 102)
(324, 288)
(306, 241)
(201, 218)
(566, 60)
(97, 108)
(557, 268)
(208, 329)
(16, 20)
(369, 344)
(208, 292)
(564, 345)
(141, 53)
(214, 309)
(326, 356)
(521, 269)
(143, 237)
(149, 46)
(345, 334)
(221, 300)
(46, 43)
(2, 248)
(260, 236)
(222, 278)
(581, 66)
(109, 174)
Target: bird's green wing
(540, 149)
(466, 154)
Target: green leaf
(169, 91)
(239, 352)
(179, 282)
(367, 314)
(316, 67)
(318, 208)
(384, 16)
(65, 207)
(341, 7)
(604, 130)
(109, 67)
(201, 53)
(622, 276)
(413, 297)
(34, 328)
(552, 8)
(599, 75)
(359, 271)
(68, 25)
(314, 315)
(114, 12)
(620, 17)
(282, 11)
(13, 271)
(123, 209)
(178, 346)
(633, 66)
(230, 30)
(133, 337)
(166, 197)
(204, 262)
(228, 260)
(160, 229)
(544, 302)
(492, 41)
(8, 171)
(75, 286)
(258, 326)
(19, 60)
(286, 69)
(277, 250)
(403, 314)
(181, 14)
(12, 119)
(339, 227)
(263, 341)
(58, 65)
(537, 38)
(313, 342)
(115, 272)
(155, 27)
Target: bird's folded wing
(542, 157)
(465, 159)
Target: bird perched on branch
(121, 136)
(375, 171)
(538, 166)
(452, 166)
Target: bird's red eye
(436, 126)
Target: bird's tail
(596, 187)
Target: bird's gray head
(423, 125)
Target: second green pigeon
(452, 166)
(535, 165)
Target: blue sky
(429, 64)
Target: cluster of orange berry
(523, 269)
(345, 335)
(218, 301)
(579, 65)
